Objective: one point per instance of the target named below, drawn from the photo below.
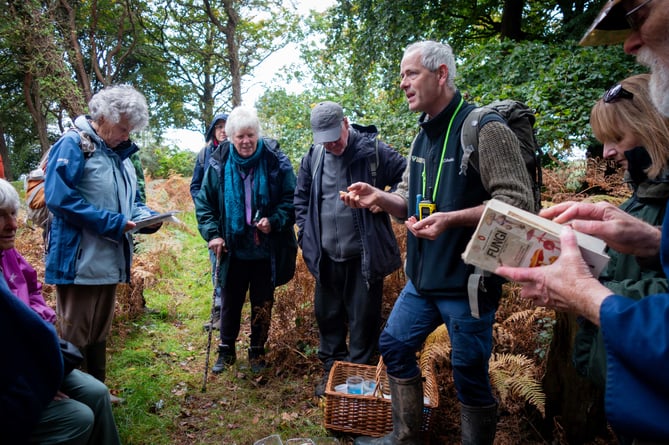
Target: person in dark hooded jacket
(215, 136)
(348, 251)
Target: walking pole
(211, 327)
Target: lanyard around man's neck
(433, 198)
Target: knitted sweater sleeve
(502, 168)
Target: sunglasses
(616, 93)
(634, 19)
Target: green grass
(156, 363)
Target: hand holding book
(155, 220)
(509, 236)
(567, 284)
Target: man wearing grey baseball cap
(327, 119)
(635, 332)
(348, 251)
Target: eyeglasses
(616, 93)
(634, 19)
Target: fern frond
(512, 376)
(527, 316)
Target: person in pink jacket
(81, 410)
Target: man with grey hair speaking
(440, 208)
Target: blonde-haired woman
(625, 119)
(636, 136)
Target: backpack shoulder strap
(469, 135)
(85, 143)
(469, 139)
(201, 155)
(316, 158)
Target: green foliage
(373, 33)
(285, 117)
(167, 161)
(560, 81)
(358, 60)
(183, 62)
(545, 327)
(206, 60)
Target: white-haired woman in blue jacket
(91, 189)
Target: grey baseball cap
(326, 119)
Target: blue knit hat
(210, 132)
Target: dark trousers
(254, 277)
(344, 305)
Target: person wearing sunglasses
(635, 136)
(635, 332)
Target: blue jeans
(414, 317)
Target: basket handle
(380, 368)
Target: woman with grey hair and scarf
(245, 213)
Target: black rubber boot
(96, 360)
(257, 358)
(479, 424)
(226, 358)
(319, 390)
(407, 404)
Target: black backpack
(520, 118)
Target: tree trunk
(233, 52)
(4, 156)
(74, 50)
(574, 405)
(229, 30)
(32, 94)
(512, 18)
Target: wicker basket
(371, 415)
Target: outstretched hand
(566, 284)
(620, 231)
(360, 195)
(428, 228)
